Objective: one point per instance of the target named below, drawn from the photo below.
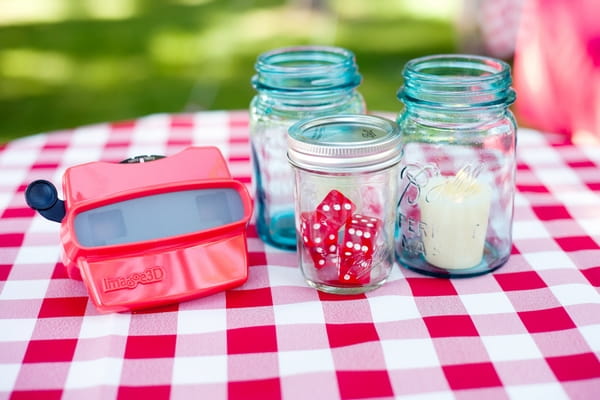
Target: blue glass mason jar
(457, 177)
(292, 84)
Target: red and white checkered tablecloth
(531, 330)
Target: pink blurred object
(557, 68)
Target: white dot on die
(331, 237)
(359, 233)
(370, 225)
(357, 246)
(349, 244)
(367, 235)
(337, 207)
(347, 206)
(305, 239)
(332, 248)
(318, 240)
(365, 249)
(316, 226)
(321, 262)
(325, 207)
(346, 277)
(351, 231)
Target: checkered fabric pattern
(530, 330)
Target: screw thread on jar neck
(456, 82)
(306, 69)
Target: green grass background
(66, 63)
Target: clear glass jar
(457, 177)
(292, 84)
(346, 175)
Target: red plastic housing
(158, 271)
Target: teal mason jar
(292, 84)
(457, 177)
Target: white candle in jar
(454, 213)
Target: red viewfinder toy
(151, 230)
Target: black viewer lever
(42, 196)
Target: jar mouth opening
(456, 67)
(303, 58)
(306, 67)
(457, 80)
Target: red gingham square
(337, 297)
(469, 376)
(167, 308)
(4, 272)
(581, 164)
(576, 243)
(364, 384)
(53, 350)
(256, 259)
(36, 395)
(349, 334)
(249, 298)
(592, 275)
(532, 188)
(526, 280)
(125, 125)
(42, 165)
(431, 287)
(144, 392)
(182, 121)
(60, 272)
(450, 325)
(549, 213)
(575, 367)
(255, 339)
(22, 212)
(150, 346)
(63, 307)
(552, 319)
(265, 389)
(11, 239)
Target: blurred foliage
(65, 63)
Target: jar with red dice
(345, 193)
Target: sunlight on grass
(65, 63)
(192, 2)
(286, 21)
(46, 11)
(174, 47)
(385, 9)
(110, 9)
(43, 66)
(28, 11)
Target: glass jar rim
(339, 143)
(457, 80)
(301, 68)
(489, 68)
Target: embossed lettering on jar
(292, 84)
(457, 179)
